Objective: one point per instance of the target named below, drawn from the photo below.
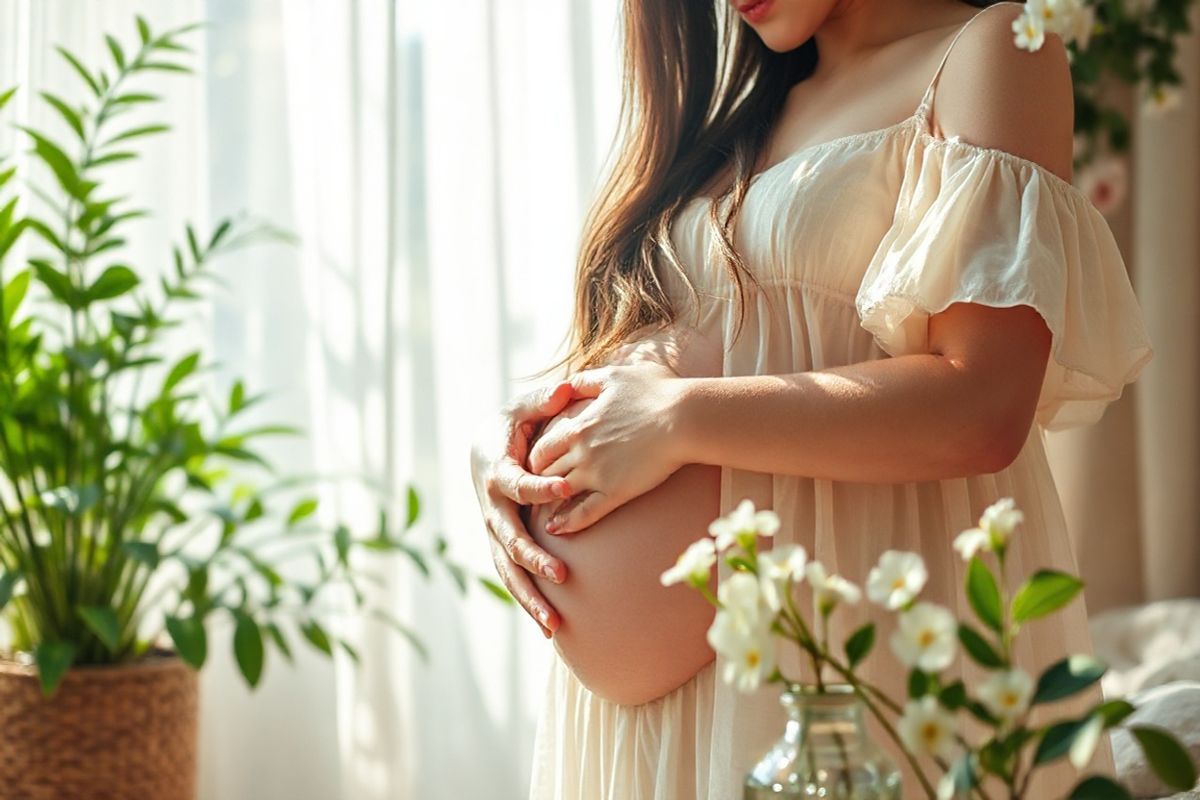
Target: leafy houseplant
(757, 605)
(129, 497)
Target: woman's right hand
(503, 484)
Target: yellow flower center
(752, 658)
(1009, 699)
(898, 583)
(926, 638)
(930, 732)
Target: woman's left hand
(623, 444)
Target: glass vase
(825, 751)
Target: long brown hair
(700, 91)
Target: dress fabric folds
(855, 242)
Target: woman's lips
(755, 10)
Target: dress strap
(926, 104)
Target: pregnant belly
(627, 637)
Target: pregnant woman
(808, 284)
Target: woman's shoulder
(1000, 96)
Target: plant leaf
(190, 639)
(1114, 711)
(305, 508)
(404, 631)
(53, 659)
(1046, 591)
(413, 508)
(81, 71)
(8, 582)
(69, 115)
(1057, 740)
(1167, 757)
(859, 644)
(6, 96)
(248, 648)
(102, 621)
(184, 367)
(57, 282)
(496, 589)
(984, 595)
(58, 162)
(280, 642)
(113, 282)
(134, 133)
(1098, 787)
(118, 54)
(317, 636)
(978, 648)
(14, 293)
(145, 553)
(1067, 677)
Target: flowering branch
(756, 602)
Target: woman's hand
(623, 444)
(502, 485)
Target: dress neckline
(927, 138)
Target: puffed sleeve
(981, 225)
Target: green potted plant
(135, 518)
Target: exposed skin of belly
(627, 637)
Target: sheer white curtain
(435, 161)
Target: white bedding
(1153, 653)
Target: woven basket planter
(123, 732)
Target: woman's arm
(963, 408)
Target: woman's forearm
(892, 420)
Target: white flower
(1084, 746)
(829, 590)
(897, 579)
(693, 564)
(926, 637)
(995, 528)
(1105, 182)
(778, 566)
(1029, 28)
(1007, 694)
(741, 631)
(740, 594)
(926, 728)
(1160, 100)
(741, 525)
(1083, 23)
(747, 650)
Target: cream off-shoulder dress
(856, 242)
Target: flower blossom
(995, 528)
(926, 728)
(926, 637)
(1007, 694)
(693, 564)
(829, 590)
(897, 580)
(776, 568)
(742, 525)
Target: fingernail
(544, 616)
(566, 489)
(552, 526)
(548, 571)
(546, 632)
(559, 490)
